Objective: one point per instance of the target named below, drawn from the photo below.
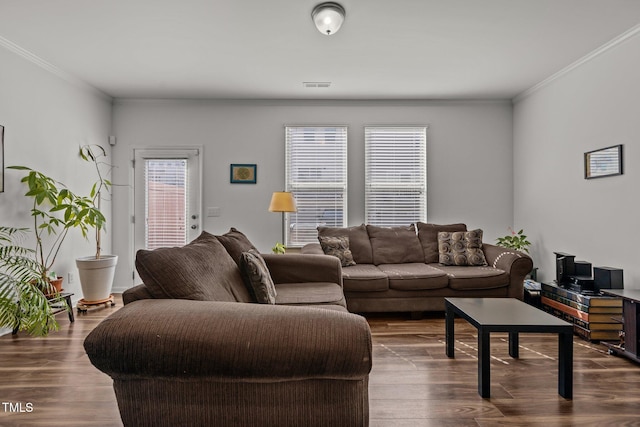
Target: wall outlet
(71, 277)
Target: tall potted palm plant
(97, 271)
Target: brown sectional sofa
(397, 269)
(190, 346)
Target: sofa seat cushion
(311, 293)
(464, 278)
(200, 270)
(364, 278)
(332, 307)
(414, 276)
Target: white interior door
(167, 198)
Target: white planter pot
(96, 276)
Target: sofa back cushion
(428, 235)
(200, 270)
(395, 245)
(359, 243)
(235, 242)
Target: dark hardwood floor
(412, 383)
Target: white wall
(593, 106)
(46, 119)
(469, 158)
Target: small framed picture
(603, 162)
(243, 173)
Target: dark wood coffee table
(513, 316)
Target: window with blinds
(316, 174)
(165, 202)
(395, 175)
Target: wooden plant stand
(84, 306)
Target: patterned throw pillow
(337, 247)
(461, 248)
(359, 242)
(255, 269)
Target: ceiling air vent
(316, 84)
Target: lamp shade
(328, 17)
(282, 201)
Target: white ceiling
(402, 49)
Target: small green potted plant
(23, 306)
(516, 241)
(278, 249)
(519, 242)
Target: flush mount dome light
(328, 17)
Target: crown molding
(633, 31)
(35, 59)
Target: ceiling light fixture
(328, 17)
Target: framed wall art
(603, 162)
(243, 173)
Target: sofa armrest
(516, 264)
(228, 340)
(300, 268)
(136, 293)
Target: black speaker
(608, 278)
(583, 268)
(565, 267)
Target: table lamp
(282, 201)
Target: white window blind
(166, 202)
(316, 174)
(395, 175)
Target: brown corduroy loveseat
(399, 269)
(191, 346)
